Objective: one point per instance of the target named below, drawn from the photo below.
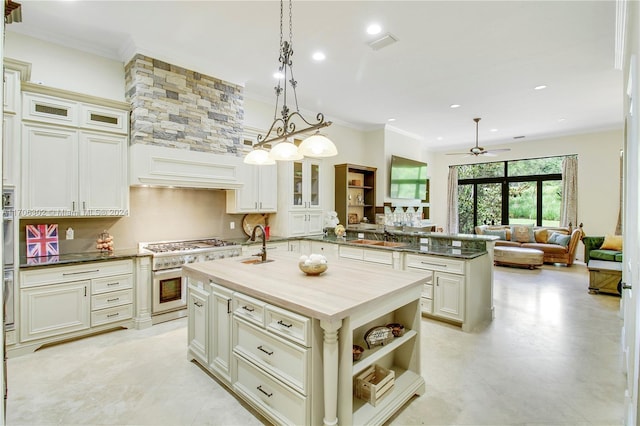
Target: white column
(330, 371)
(142, 314)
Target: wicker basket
(374, 383)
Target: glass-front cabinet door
(298, 184)
(306, 184)
(314, 182)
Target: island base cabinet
(54, 310)
(220, 331)
(198, 312)
(449, 296)
(277, 402)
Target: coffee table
(604, 276)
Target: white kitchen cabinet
(383, 257)
(10, 129)
(14, 72)
(301, 199)
(74, 157)
(259, 194)
(62, 302)
(220, 331)
(198, 313)
(459, 290)
(54, 310)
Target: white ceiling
(486, 56)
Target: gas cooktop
(185, 245)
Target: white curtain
(569, 208)
(452, 201)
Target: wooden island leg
(330, 373)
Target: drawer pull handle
(247, 308)
(264, 350)
(443, 265)
(284, 325)
(198, 304)
(115, 299)
(80, 272)
(269, 395)
(113, 315)
(110, 284)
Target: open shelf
(371, 356)
(406, 384)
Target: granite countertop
(71, 258)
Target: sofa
(608, 248)
(558, 244)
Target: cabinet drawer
(350, 252)
(106, 316)
(115, 298)
(249, 308)
(279, 403)
(289, 325)
(103, 118)
(426, 305)
(378, 256)
(286, 361)
(434, 263)
(45, 275)
(107, 284)
(427, 291)
(49, 109)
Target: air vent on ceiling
(383, 41)
(518, 137)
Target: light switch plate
(456, 243)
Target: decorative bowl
(396, 329)
(313, 268)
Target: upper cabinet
(259, 192)
(14, 73)
(74, 154)
(303, 178)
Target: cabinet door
(312, 184)
(54, 309)
(259, 192)
(267, 184)
(103, 185)
(448, 298)
(198, 312)
(297, 223)
(8, 149)
(49, 169)
(315, 222)
(220, 331)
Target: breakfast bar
(283, 340)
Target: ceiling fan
(478, 150)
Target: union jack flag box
(42, 240)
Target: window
(510, 192)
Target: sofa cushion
(619, 257)
(507, 243)
(559, 239)
(541, 235)
(610, 255)
(522, 233)
(547, 248)
(501, 233)
(612, 242)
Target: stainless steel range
(169, 290)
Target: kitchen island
(283, 341)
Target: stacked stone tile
(178, 108)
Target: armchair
(593, 250)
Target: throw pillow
(522, 233)
(542, 235)
(559, 239)
(502, 233)
(612, 242)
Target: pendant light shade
(318, 145)
(259, 157)
(285, 151)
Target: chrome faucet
(263, 252)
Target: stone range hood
(186, 127)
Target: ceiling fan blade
(488, 154)
(456, 153)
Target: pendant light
(286, 126)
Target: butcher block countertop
(344, 288)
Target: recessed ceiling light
(493, 130)
(454, 106)
(278, 75)
(374, 29)
(439, 138)
(542, 86)
(391, 119)
(560, 120)
(319, 56)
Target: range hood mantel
(162, 166)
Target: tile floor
(551, 356)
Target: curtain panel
(452, 201)
(569, 207)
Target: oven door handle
(163, 272)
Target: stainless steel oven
(169, 291)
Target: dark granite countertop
(71, 258)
